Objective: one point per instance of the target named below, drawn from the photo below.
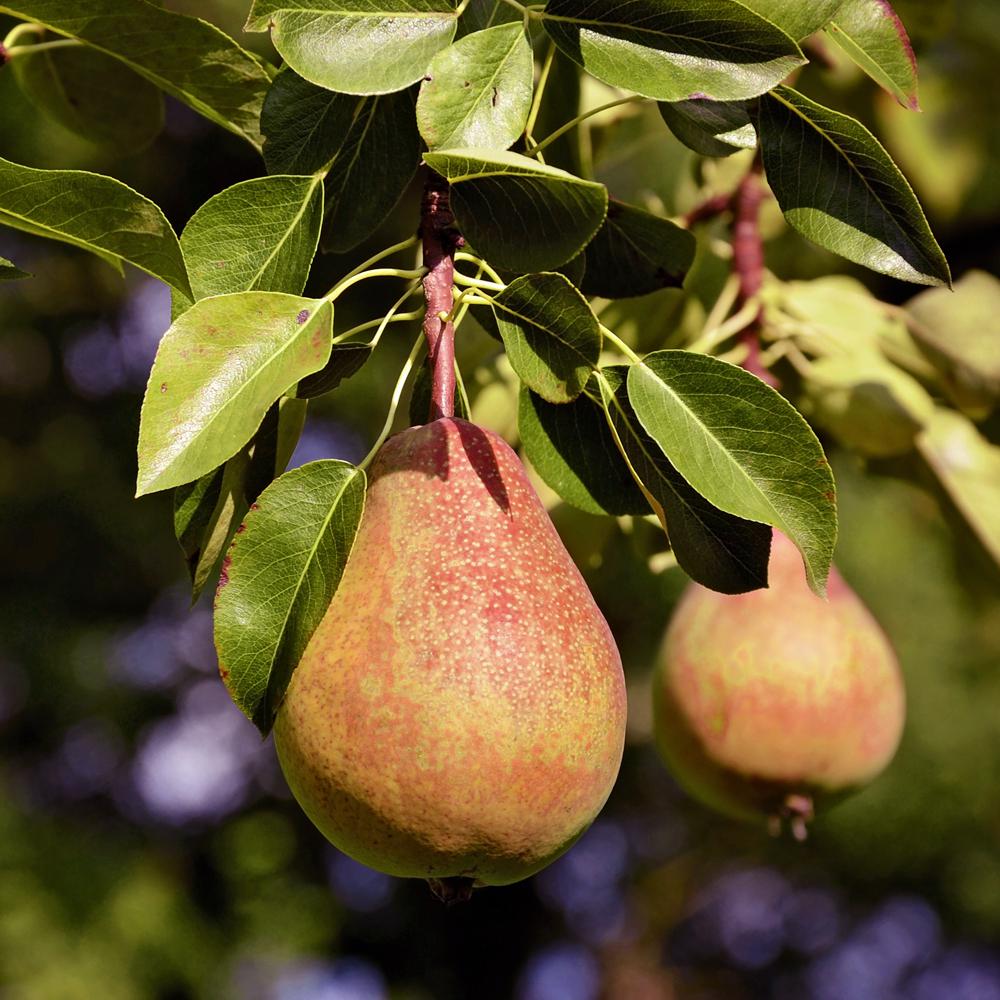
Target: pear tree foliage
(660, 372)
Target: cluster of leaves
(368, 92)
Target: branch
(440, 241)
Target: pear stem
(440, 240)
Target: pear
(768, 703)
(459, 713)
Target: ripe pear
(769, 702)
(459, 713)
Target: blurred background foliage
(148, 846)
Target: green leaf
(218, 369)
(634, 253)
(797, 18)
(258, 234)
(10, 271)
(274, 443)
(477, 92)
(959, 332)
(369, 148)
(871, 33)
(674, 51)
(194, 504)
(551, 335)
(718, 550)
(357, 46)
(420, 395)
(279, 578)
(839, 188)
(345, 360)
(94, 212)
(480, 14)
(572, 448)
(711, 128)
(968, 468)
(188, 58)
(741, 446)
(518, 213)
(91, 94)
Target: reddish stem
(709, 209)
(748, 262)
(440, 241)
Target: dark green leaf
(90, 93)
(635, 253)
(518, 213)
(551, 335)
(368, 146)
(572, 448)
(872, 34)
(345, 360)
(676, 51)
(797, 18)
(420, 396)
(193, 506)
(357, 46)
(258, 234)
(839, 188)
(218, 369)
(274, 443)
(718, 550)
(712, 128)
(188, 58)
(477, 92)
(10, 271)
(742, 446)
(94, 212)
(281, 573)
(480, 14)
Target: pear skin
(768, 702)
(459, 713)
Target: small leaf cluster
(370, 92)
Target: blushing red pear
(460, 710)
(770, 702)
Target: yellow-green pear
(459, 713)
(769, 703)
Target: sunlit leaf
(218, 369)
(676, 51)
(839, 188)
(281, 573)
(357, 46)
(94, 212)
(10, 271)
(872, 34)
(742, 446)
(797, 18)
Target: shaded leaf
(94, 212)
(281, 573)
(968, 467)
(518, 213)
(634, 253)
(795, 17)
(188, 58)
(357, 46)
(369, 148)
(10, 271)
(959, 332)
(92, 94)
(274, 443)
(572, 448)
(345, 360)
(194, 504)
(712, 128)
(477, 92)
(420, 396)
(871, 33)
(258, 234)
(550, 333)
(218, 369)
(675, 51)
(839, 188)
(718, 550)
(742, 446)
